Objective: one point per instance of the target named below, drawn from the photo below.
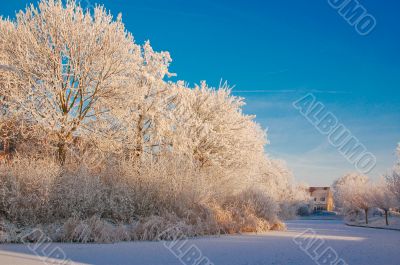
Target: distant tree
(393, 179)
(354, 191)
(398, 151)
(393, 183)
(339, 187)
(383, 198)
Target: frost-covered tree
(393, 179)
(393, 182)
(383, 198)
(353, 191)
(69, 65)
(176, 156)
(140, 119)
(211, 127)
(276, 180)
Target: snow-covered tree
(393, 182)
(69, 65)
(210, 127)
(353, 191)
(139, 120)
(74, 78)
(393, 179)
(276, 180)
(383, 198)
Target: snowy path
(354, 245)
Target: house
(322, 198)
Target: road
(304, 242)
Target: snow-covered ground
(379, 222)
(354, 245)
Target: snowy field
(354, 245)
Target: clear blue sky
(276, 51)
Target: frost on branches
(98, 144)
(355, 193)
(393, 180)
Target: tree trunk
(139, 137)
(366, 216)
(61, 152)
(6, 146)
(386, 217)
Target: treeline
(356, 195)
(105, 147)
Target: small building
(322, 198)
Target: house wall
(323, 198)
(329, 204)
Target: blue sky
(274, 52)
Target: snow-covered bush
(252, 211)
(83, 207)
(304, 210)
(25, 188)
